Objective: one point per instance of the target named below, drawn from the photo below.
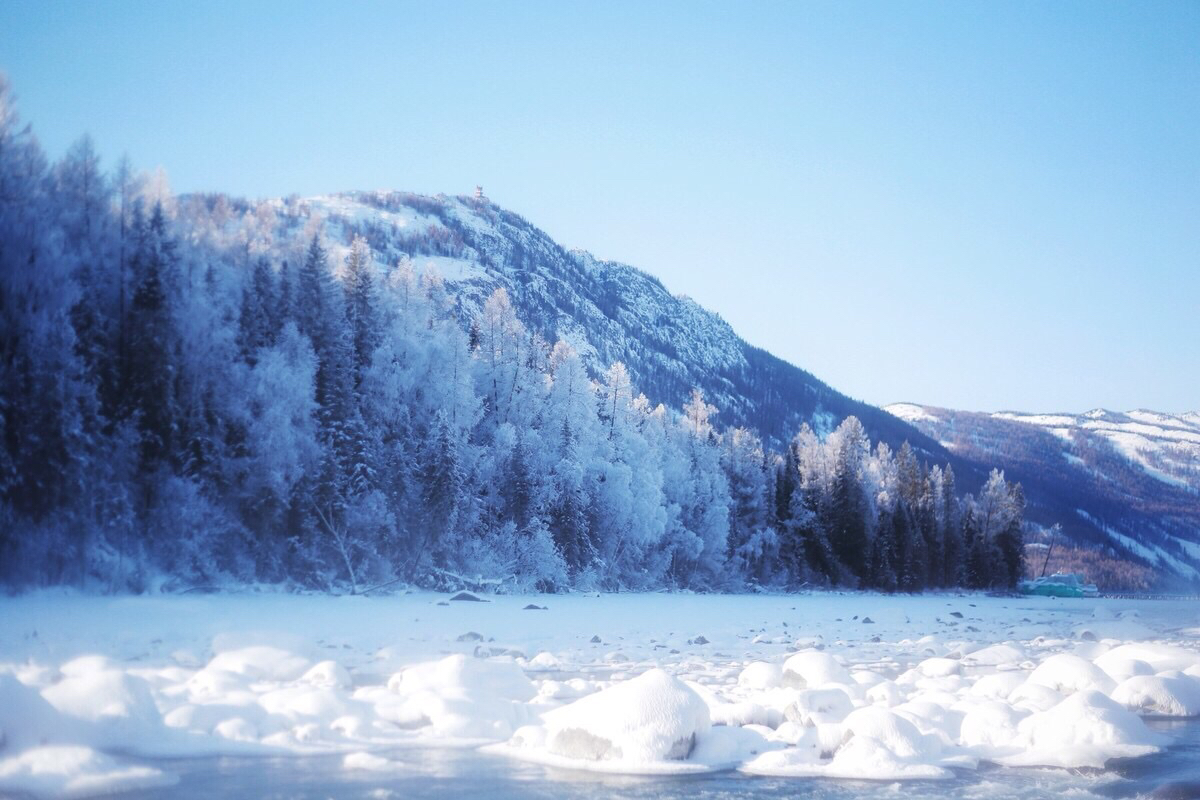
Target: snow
(1165, 446)
(652, 718)
(910, 412)
(75, 772)
(1165, 695)
(1084, 730)
(1151, 553)
(93, 688)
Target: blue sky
(982, 206)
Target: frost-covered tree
(192, 394)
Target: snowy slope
(1126, 481)
(1167, 446)
(609, 311)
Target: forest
(185, 409)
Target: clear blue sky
(975, 205)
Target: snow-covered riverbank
(835, 685)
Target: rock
(468, 598)
(533, 607)
(868, 621)
(595, 640)
(956, 614)
(470, 636)
(698, 640)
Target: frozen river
(641, 696)
(441, 773)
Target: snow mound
(989, 727)
(73, 771)
(260, 662)
(329, 675)
(1160, 657)
(861, 757)
(26, 719)
(813, 707)
(994, 656)
(761, 675)
(1168, 695)
(116, 707)
(813, 668)
(897, 734)
(1084, 730)
(459, 697)
(634, 725)
(1067, 673)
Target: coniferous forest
(184, 408)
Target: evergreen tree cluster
(179, 407)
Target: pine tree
(258, 324)
(152, 369)
(442, 484)
(362, 303)
(1010, 541)
(848, 523)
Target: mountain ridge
(1126, 482)
(750, 386)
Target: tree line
(192, 396)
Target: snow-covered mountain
(1166, 446)
(1129, 481)
(607, 310)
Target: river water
(462, 773)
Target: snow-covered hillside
(1127, 481)
(1167, 446)
(607, 310)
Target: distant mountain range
(1126, 482)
